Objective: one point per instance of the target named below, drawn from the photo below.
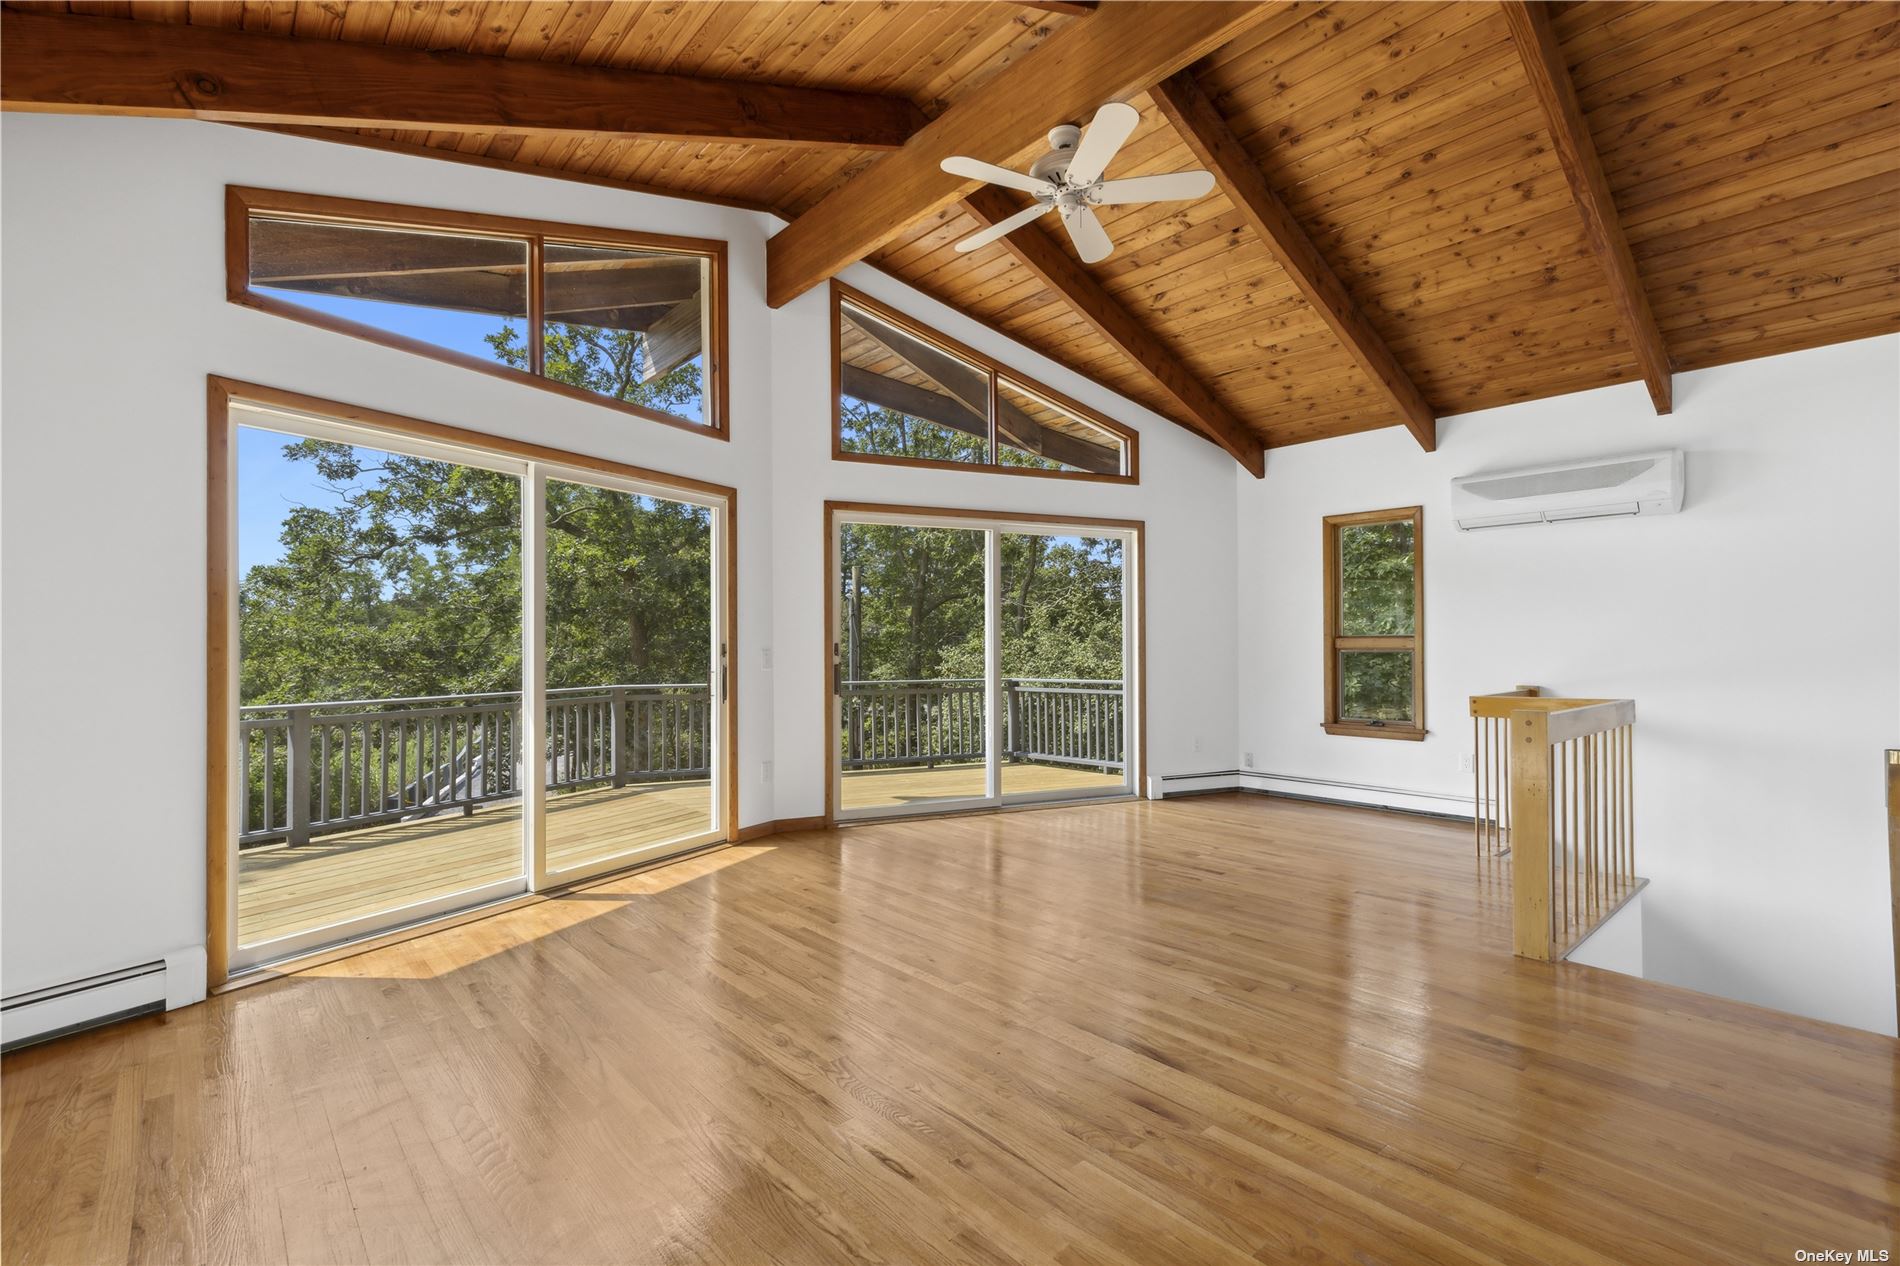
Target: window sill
(1359, 729)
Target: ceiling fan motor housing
(1054, 165)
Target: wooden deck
(283, 891)
(1223, 1030)
(891, 788)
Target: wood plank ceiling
(1752, 152)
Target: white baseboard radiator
(164, 984)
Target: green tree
(870, 428)
(609, 362)
(407, 581)
(1376, 567)
(920, 603)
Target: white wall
(115, 313)
(1758, 632)
(1617, 943)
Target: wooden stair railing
(1553, 787)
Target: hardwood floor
(1225, 1029)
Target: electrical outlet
(766, 654)
(765, 771)
(1197, 742)
(1464, 763)
(1246, 759)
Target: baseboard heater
(1434, 804)
(40, 1015)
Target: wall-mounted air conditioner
(1609, 487)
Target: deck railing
(1554, 790)
(938, 721)
(315, 768)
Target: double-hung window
(1375, 610)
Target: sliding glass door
(912, 633)
(978, 661)
(459, 675)
(379, 684)
(1063, 635)
(632, 703)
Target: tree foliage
(920, 611)
(1377, 595)
(870, 428)
(609, 362)
(406, 580)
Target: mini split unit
(1604, 488)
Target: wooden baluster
(1504, 808)
(1481, 779)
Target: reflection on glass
(1375, 685)
(379, 635)
(628, 324)
(1376, 579)
(910, 638)
(901, 397)
(458, 291)
(1037, 434)
(629, 648)
(1065, 723)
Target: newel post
(297, 775)
(1530, 835)
(616, 735)
(1012, 736)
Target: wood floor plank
(1221, 1029)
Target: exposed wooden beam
(84, 65)
(1118, 52)
(1206, 133)
(1549, 77)
(1068, 278)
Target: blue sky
(269, 484)
(461, 331)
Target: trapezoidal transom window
(630, 320)
(908, 395)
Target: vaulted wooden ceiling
(1744, 158)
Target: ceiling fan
(1068, 180)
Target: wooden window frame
(1335, 642)
(842, 294)
(242, 202)
(222, 650)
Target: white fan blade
(1001, 227)
(1174, 187)
(1112, 125)
(1090, 238)
(975, 169)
